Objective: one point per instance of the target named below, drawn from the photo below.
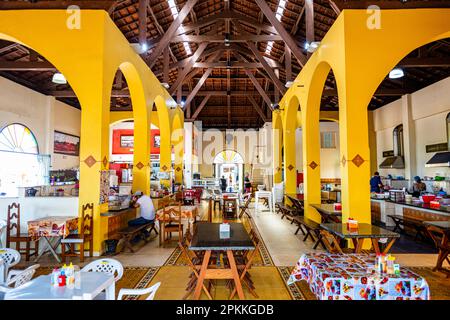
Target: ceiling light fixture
(227, 40)
(396, 73)
(289, 84)
(165, 85)
(311, 47)
(59, 78)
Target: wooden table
(296, 202)
(92, 284)
(443, 245)
(328, 213)
(206, 238)
(364, 231)
(187, 212)
(52, 229)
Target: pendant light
(396, 73)
(59, 78)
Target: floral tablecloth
(188, 212)
(351, 277)
(52, 227)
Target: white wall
(42, 115)
(429, 107)
(329, 158)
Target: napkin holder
(224, 231)
(352, 225)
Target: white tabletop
(92, 283)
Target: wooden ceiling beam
(258, 87)
(383, 4)
(46, 5)
(200, 108)
(166, 38)
(286, 37)
(142, 14)
(220, 38)
(198, 86)
(263, 62)
(26, 66)
(309, 21)
(188, 67)
(257, 108)
(326, 92)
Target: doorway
(230, 165)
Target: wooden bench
(129, 233)
(309, 228)
(410, 222)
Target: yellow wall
(360, 58)
(89, 58)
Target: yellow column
(277, 141)
(355, 155)
(311, 161)
(178, 144)
(94, 151)
(141, 155)
(290, 125)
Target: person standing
(247, 183)
(223, 184)
(418, 187)
(375, 183)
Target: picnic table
(352, 277)
(328, 213)
(364, 231)
(52, 229)
(206, 238)
(442, 244)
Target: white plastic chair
(140, 292)
(21, 277)
(10, 258)
(106, 265)
(2, 227)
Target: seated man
(145, 203)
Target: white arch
(228, 156)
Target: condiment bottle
(62, 279)
(54, 277)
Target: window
(328, 140)
(398, 140)
(18, 138)
(22, 165)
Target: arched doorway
(230, 165)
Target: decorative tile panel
(90, 161)
(358, 160)
(313, 165)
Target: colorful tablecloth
(52, 227)
(352, 277)
(188, 212)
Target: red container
(428, 198)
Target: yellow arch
(89, 58)
(177, 139)
(277, 138)
(353, 51)
(165, 151)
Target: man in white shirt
(145, 203)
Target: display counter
(113, 221)
(380, 209)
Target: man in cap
(145, 203)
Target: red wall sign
(123, 141)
